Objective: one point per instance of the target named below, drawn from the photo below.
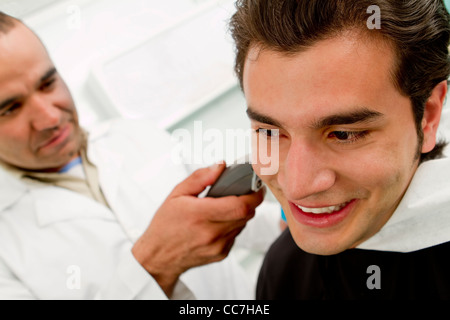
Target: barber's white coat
(57, 244)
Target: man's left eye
(341, 135)
(347, 136)
(47, 84)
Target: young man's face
(38, 122)
(347, 138)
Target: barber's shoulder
(136, 141)
(11, 189)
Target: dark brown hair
(418, 30)
(6, 22)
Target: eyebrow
(50, 73)
(255, 116)
(361, 115)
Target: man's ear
(432, 116)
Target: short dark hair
(418, 30)
(7, 22)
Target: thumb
(199, 180)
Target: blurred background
(169, 61)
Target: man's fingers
(233, 207)
(199, 180)
(218, 248)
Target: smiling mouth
(323, 210)
(322, 217)
(59, 137)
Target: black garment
(291, 273)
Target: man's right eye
(270, 133)
(11, 109)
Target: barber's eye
(11, 109)
(47, 85)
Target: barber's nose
(305, 171)
(43, 113)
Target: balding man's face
(39, 127)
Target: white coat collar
(108, 161)
(422, 218)
(49, 211)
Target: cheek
(265, 156)
(372, 178)
(389, 158)
(13, 143)
(380, 177)
(377, 168)
(271, 181)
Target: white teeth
(322, 210)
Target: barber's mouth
(57, 139)
(322, 216)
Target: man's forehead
(288, 91)
(346, 47)
(20, 48)
(19, 38)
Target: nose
(306, 171)
(44, 115)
